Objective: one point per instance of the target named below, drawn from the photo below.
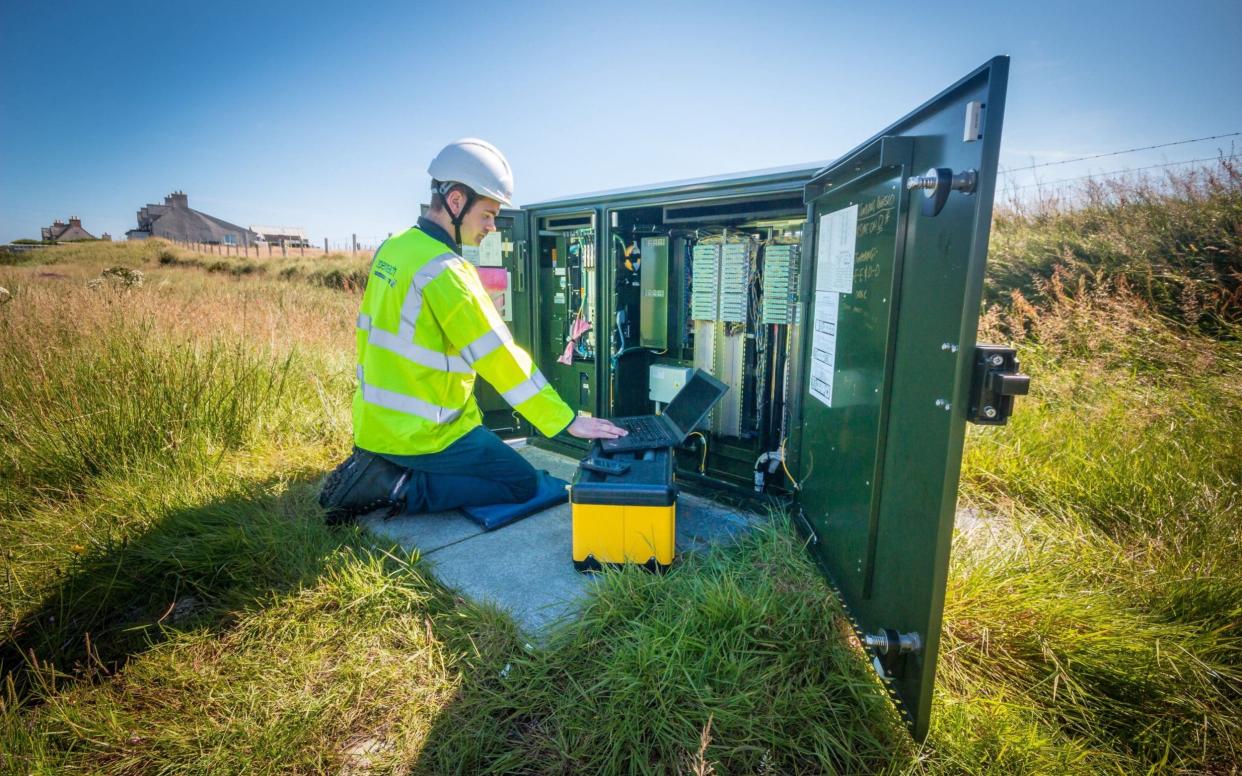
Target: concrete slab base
(526, 568)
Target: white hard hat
(478, 164)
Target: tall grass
(1095, 611)
(1174, 239)
(333, 270)
(66, 427)
(92, 253)
(99, 380)
(109, 396)
(738, 660)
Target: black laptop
(686, 411)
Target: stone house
(59, 231)
(176, 220)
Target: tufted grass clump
(739, 660)
(77, 408)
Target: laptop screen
(694, 400)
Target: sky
(325, 115)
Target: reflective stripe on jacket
(426, 327)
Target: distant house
(175, 220)
(293, 236)
(59, 231)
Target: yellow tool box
(626, 517)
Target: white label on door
(489, 251)
(834, 251)
(824, 345)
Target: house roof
(183, 223)
(73, 233)
(288, 231)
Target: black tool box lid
(649, 481)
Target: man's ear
(455, 201)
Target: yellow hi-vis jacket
(426, 327)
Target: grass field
(173, 603)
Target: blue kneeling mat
(551, 492)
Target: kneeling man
(426, 328)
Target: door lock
(994, 384)
(936, 184)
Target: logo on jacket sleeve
(385, 272)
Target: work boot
(363, 483)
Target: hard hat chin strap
(444, 189)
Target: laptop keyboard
(643, 429)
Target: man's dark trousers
(476, 470)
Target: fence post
(282, 247)
(325, 246)
(353, 243)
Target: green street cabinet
(838, 301)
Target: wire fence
(354, 245)
(1127, 171)
(1013, 170)
(1023, 186)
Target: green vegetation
(1174, 240)
(173, 603)
(335, 270)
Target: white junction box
(666, 381)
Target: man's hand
(594, 428)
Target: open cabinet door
(503, 260)
(889, 301)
